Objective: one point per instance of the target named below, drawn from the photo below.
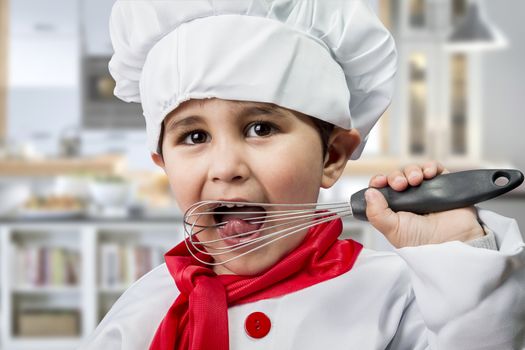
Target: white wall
(503, 95)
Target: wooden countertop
(369, 166)
(103, 165)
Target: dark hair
(325, 130)
(161, 138)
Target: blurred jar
(70, 142)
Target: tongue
(240, 220)
(236, 226)
(248, 218)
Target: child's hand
(404, 229)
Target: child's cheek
(296, 176)
(183, 183)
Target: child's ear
(157, 159)
(341, 145)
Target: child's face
(226, 150)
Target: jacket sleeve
(466, 297)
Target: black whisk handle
(445, 192)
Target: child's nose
(228, 164)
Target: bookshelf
(51, 309)
(58, 279)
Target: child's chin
(244, 267)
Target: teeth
(232, 205)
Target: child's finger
(397, 180)
(414, 174)
(442, 169)
(379, 180)
(431, 169)
(379, 214)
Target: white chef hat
(329, 59)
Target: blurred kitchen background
(83, 210)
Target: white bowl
(75, 186)
(110, 194)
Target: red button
(257, 325)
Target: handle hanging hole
(501, 179)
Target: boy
(257, 101)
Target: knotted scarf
(198, 319)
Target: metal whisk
(277, 221)
(300, 216)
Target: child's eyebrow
(258, 110)
(186, 121)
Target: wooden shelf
(385, 165)
(35, 290)
(113, 290)
(24, 343)
(107, 165)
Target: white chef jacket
(440, 296)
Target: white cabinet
(53, 61)
(95, 19)
(44, 72)
(44, 17)
(44, 44)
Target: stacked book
(122, 264)
(41, 266)
(47, 323)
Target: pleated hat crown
(329, 59)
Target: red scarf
(198, 319)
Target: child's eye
(260, 129)
(195, 137)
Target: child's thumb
(379, 213)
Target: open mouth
(238, 222)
